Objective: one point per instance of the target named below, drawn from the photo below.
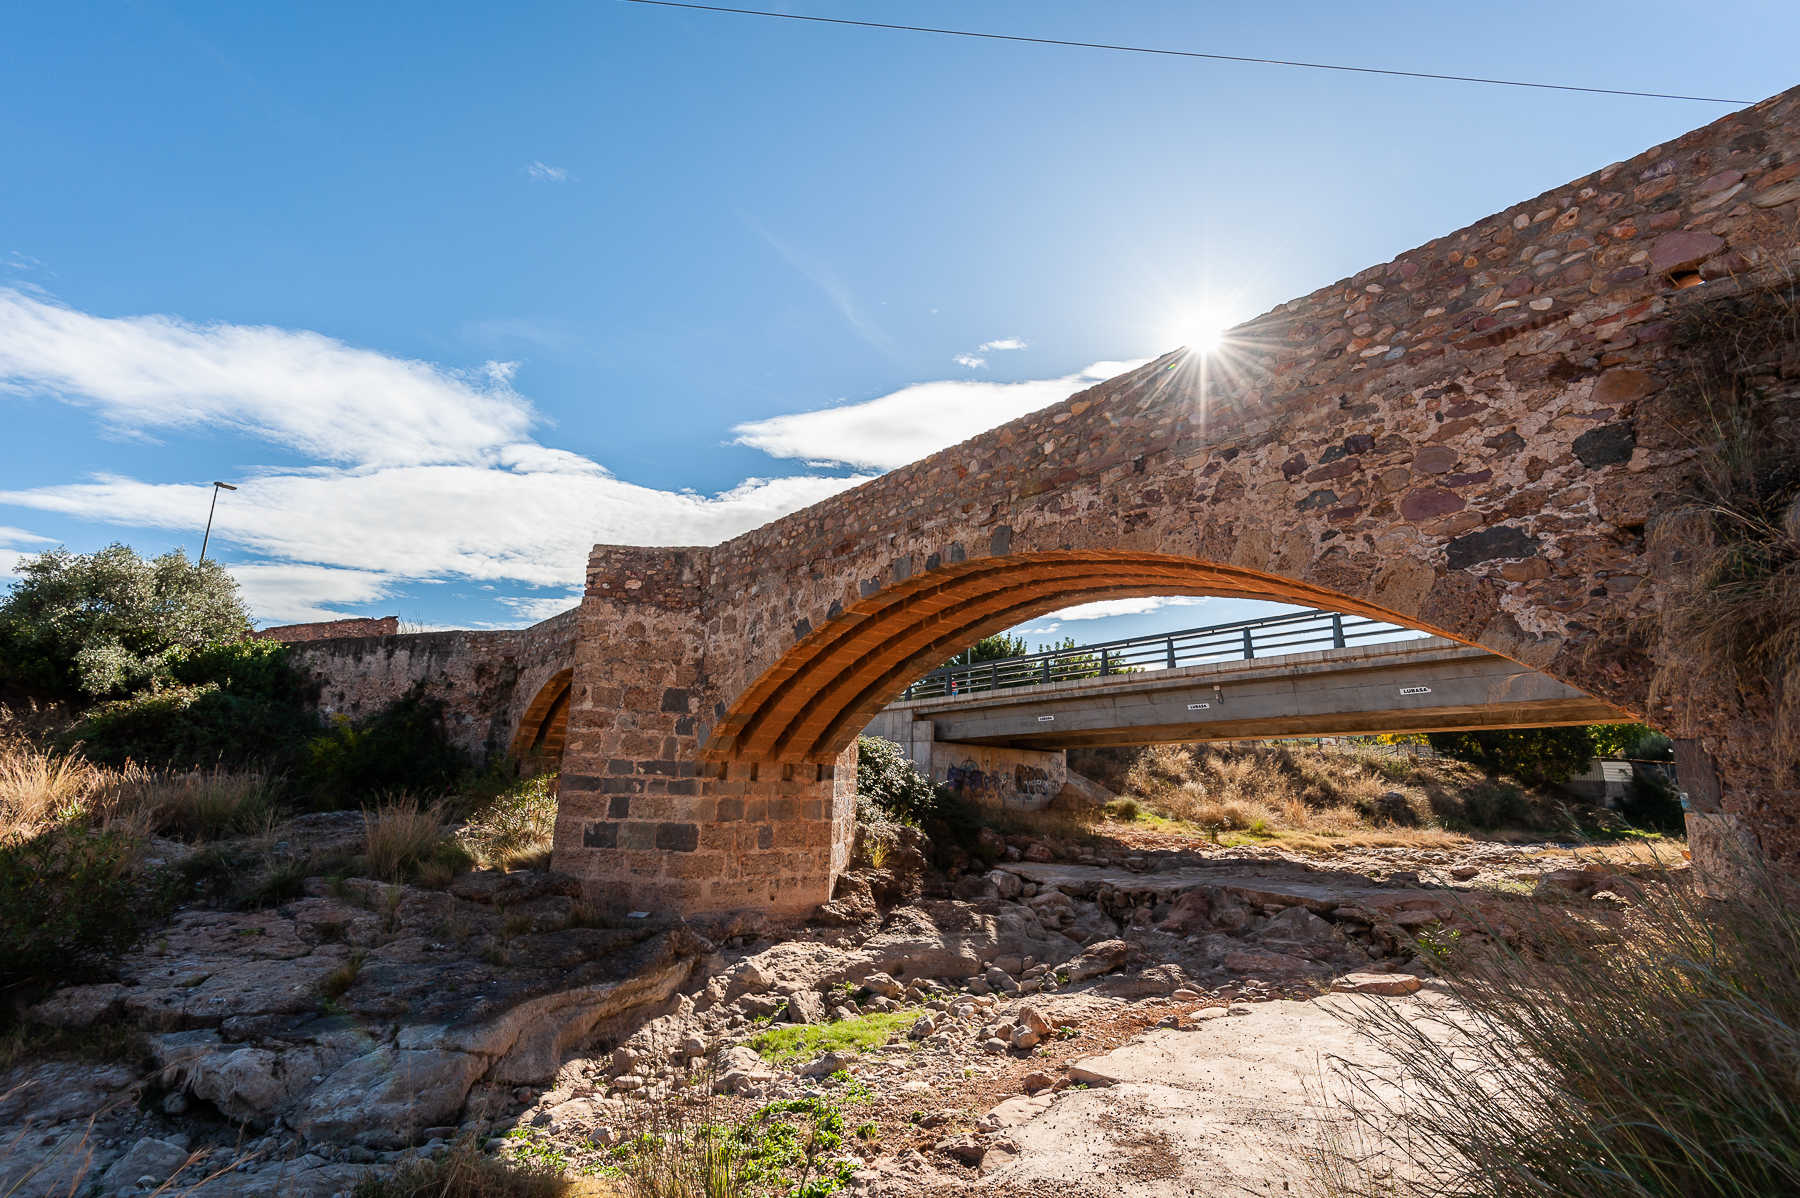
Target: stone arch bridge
(1477, 439)
(1485, 438)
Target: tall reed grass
(1655, 1056)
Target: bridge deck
(1425, 684)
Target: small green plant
(861, 1034)
(854, 1091)
(1124, 809)
(1438, 942)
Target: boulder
(1096, 959)
(1391, 985)
(385, 1098)
(827, 1064)
(1006, 884)
(805, 1006)
(1033, 1017)
(158, 1160)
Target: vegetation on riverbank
(1654, 1058)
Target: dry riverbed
(1147, 1021)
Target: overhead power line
(1272, 62)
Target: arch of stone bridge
(1485, 438)
(543, 726)
(812, 702)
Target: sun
(1207, 337)
(1203, 328)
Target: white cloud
(543, 172)
(970, 361)
(542, 608)
(988, 347)
(1039, 629)
(294, 388)
(10, 558)
(1104, 608)
(423, 473)
(292, 593)
(914, 421)
(476, 522)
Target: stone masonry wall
(1477, 439)
(331, 630)
(486, 680)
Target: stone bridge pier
(645, 817)
(1492, 438)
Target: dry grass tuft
(1330, 795)
(408, 842)
(1656, 1059)
(41, 789)
(464, 1172)
(1739, 618)
(514, 830)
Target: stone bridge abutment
(1477, 439)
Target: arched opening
(809, 705)
(543, 729)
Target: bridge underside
(1418, 686)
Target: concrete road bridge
(999, 728)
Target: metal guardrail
(1243, 640)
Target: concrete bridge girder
(1426, 685)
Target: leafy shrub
(889, 788)
(1535, 756)
(1494, 804)
(886, 778)
(102, 623)
(230, 704)
(68, 899)
(402, 747)
(1633, 742)
(1652, 804)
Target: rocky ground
(1140, 1022)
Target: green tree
(1633, 742)
(1535, 756)
(997, 647)
(105, 623)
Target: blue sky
(452, 291)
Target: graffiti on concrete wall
(968, 779)
(1031, 782)
(999, 776)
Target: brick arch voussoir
(809, 704)
(550, 698)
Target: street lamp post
(217, 487)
